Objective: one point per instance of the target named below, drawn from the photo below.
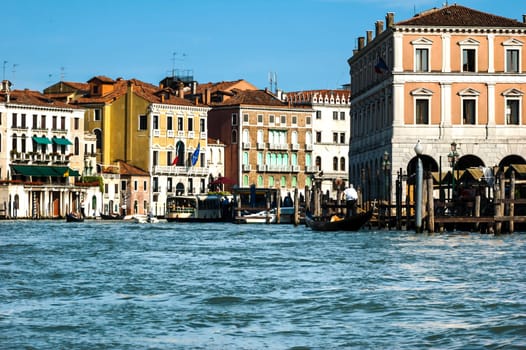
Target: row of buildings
(447, 76)
(123, 146)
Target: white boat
(268, 217)
(145, 219)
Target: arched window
(77, 146)
(98, 134)
(234, 136)
(23, 143)
(15, 143)
(283, 181)
(342, 164)
(335, 163)
(245, 180)
(318, 163)
(271, 181)
(260, 181)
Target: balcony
(295, 147)
(261, 145)
(170, 133)
(279, 168)
(247, 167)
(308, 147)
(191, 134)
(156, 132)
(295, 168)
(180, 170)
(262, 167)
(246, 145)
(311, 169)
(278, 146)
(203, 135)
(180, 133)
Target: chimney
(180, 89)
(379, 27)
(361, 43)
(194, 87)
(369, 34)
(207, 96)
(389, 19)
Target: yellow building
(148, 127)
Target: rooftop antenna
(273, 81)
(3, 75)
(14, 71)
(175, 59)
(62, 74)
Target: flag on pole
(381, 66)
(195, 156)
(176, 159)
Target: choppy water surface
(102, 285)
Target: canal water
(118, 285)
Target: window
(76, 123)
(180, 126)
(77, 146)
(260, 118)
(421, 60)
(469, 111)
(155, 122)
(271, 119)
(202, 126)
(54, 122)
(318, 114)
(294, 120)
(116, 188)
(342, 164)
(62, 123)
(283, 119)
(190, 124)
(35, 121)
(512, 112)
(468, 60)
(14, 120)
(245, 118)
(96, 114)
(135, 186)
(512, 61)
(234, 118)
(43, 122)
(234, 136)
(342, 115)
(123, 185)
(283, 181)
(334, 115)
(318, 136)
(169, 159)
(169, 185)
(335, 163)
(143, 125)
(422, 111)
(23, 121)
(307, 120)
(342, 137)
(155, 184)
(155, 160)
(169, 123)
(144, 187)
(334, 137)
(106, 188)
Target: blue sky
(305, 42)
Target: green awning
(42, 140)
(44, 170)
(61, 141)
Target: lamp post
(452, 158)
(386, 167)
(419, 150)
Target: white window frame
(469, 44)
(515, 95)
(469, 94)
(422, 94)
(422, 44)
(511, 45)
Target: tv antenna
(174, 58)
(273, 81)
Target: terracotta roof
(128, 169)
(457, 15)
(149, 92)
(34, 98)
(221, 86)
(252, 97)
(102, 78)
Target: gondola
(74, 217)
(111, 216)
(338, 223)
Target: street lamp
(452, 157)
(386, 167)
(419, 150)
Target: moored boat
(74, 217)
(113, 216)
(338, 223)
(198, 208)
(267, 217)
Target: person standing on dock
(351, 196)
